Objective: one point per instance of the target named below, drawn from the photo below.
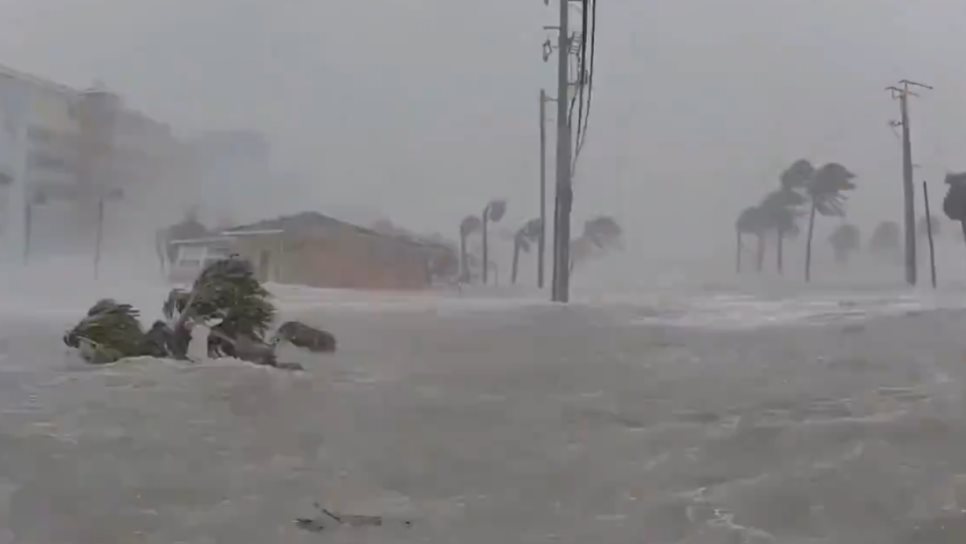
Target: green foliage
(109, 332)
(226, 296)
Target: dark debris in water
(327, 518)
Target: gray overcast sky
(425, 108)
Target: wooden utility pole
(564, 198)
(542, 240)
(932, 247)
(902, 93)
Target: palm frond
(797, 175)
(110, 331)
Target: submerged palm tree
(826, 190)
(845, 240)
(751, 221)
(468, 226)
(527, 234)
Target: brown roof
(309, 220)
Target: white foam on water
(62, 289)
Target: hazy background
(421, 110)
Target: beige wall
(343, 260)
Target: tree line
(600, 235)
(802, 189)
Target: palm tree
(528, 233)
(885, 239)
(783, 205)
(954, 204)
(493, 211)
(826, 190)
(751, 221)
(845, 240)
(780, 211)
(600, 234)
(468, 226)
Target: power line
(582, 134)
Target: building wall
(70, 146)
(14, 118)
(341, 260)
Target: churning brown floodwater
(526, 423)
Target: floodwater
(704, 420)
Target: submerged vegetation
(226, 297)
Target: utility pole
(902, 93)
(542, 241)
(932, 246)
(564, 197)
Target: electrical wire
(584, 118)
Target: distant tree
(493, 212)
(601, 234)
(845, 240)
(885, 239)
(753, 221)
(954, 204)
(528, 234)
(468, 226)
(826, 190)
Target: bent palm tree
(750, 221)
(780, 211)
(528, 234)
(845, 240)
(826, 192)
(787, 201)
(468, 226)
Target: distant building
(63, 149)
(320, 251)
